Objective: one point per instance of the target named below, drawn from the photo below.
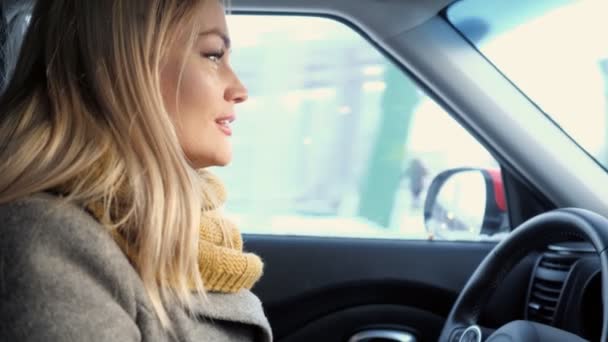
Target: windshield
(555, 51)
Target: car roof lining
(389, 18)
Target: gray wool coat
(63, 278)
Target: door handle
(382, 335)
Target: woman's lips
(223, 124)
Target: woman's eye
(215, 57)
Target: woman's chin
(220, 160)
(223, 158)
(223, 162)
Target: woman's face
(201, 103)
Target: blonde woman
(110, 228)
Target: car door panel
(330, 288)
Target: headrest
(3, 42)
(14, 16)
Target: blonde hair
(83, 115)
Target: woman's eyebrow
(219, 33)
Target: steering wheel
(552, 227)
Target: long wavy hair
(83, 116)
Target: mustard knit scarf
(223, 265)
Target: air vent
(549, 278)
(543, 300)
(558, 262)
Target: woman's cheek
(198, 85)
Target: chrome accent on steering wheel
(383, 335)
(471, 334)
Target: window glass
(555, 51)
(334, 139)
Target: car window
(334, 140)
(555, 51)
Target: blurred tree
(378, 189)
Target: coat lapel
(242, 306)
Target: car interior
(547, 280)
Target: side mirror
(466, 204)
